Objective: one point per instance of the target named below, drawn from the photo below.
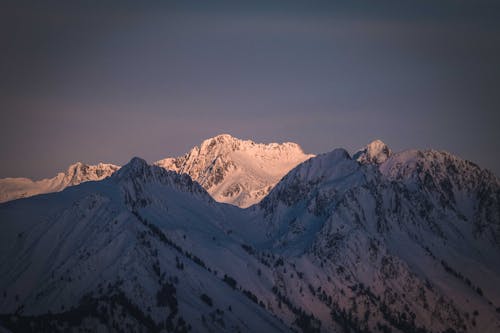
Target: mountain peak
(220, 143)
(236, 171)
(334, 164)
(75, 167)
(376, 152)
(377, 143)
(76, 173)
(137, 161)
(225, 137)
(136, 166)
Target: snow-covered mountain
(411, 243)
(15, 188)
(239, 172)
(406, 243)
(144, 250)
(375, 152)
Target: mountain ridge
(17, 188)
(235, 171)
(240, 172)
(338, 245)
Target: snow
(15, 188)
(375, 152)
(352, 242)
(234, 171)
(239, 172)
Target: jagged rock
(239, 172)
(15, 188)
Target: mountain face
(411, 243)
(234, 171)
(239, 172)
(376, 152)
(16, 188)
(144, 250)
(406, 243)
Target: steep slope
(239, 172)
(143, 250)
(410, 244)
(15, 188)
(407, 244)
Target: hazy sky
(87, 81)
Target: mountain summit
(239, 172)
(16, 188)
(340, 244)
(375, 152)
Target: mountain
(15, 188)
(239, 172)
(143, 250)
(410, 244)
(340, 244)
(375, 152)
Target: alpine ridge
(374, 242)
(239, 172)
(16, 188)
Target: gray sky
(86, 81)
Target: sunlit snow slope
(239, 172)
(378, 242)
(15, 188)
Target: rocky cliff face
(16, 188)
(375, 152)
(239, 172)
(408, 244)
(406, 241)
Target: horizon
(151, 162)
(104, 82)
